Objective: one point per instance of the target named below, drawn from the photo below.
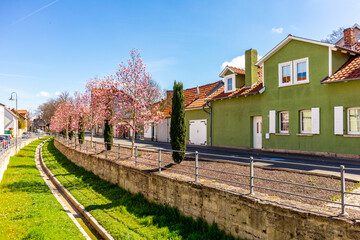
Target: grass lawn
(28, 209)
(124, 215)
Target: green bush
(177, 127)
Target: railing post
(119, 151)
(136, 155)
(251, 175)
(95, 149)
(159, 160)
(196, 166)
(106, 150)
(87, 147)
(80, 143)
(342, 174)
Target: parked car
(25, 135)
(7, 137)
(4, 143)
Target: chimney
(251, 74)
(349, 37)
(197, 91)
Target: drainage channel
(88, 231)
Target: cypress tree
(177, 127)
(81, 133)
(108, 134)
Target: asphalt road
(279, 159)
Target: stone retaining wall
(241, 215)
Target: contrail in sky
(34, 12)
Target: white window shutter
(315, 120)
(272, 121)
(339, 120)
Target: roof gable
(285, 41)
(233, 70)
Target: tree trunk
(132, 143)
(92, 134)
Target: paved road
(278, 157)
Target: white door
(257, 132)
(197, 132)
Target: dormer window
(229, 84)
(229, 81)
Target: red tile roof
(349, 71)
(237, 70)
(220, 94)
(192, 99)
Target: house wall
(232, 119)
(197, 114)
(2, 120)
(9, 122)
(163, 131)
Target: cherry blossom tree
(81, 114)
(102, 95)
(138, 99)
(61, 121)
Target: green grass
(124, 215)
(28, 209)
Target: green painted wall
(339, 59)
(232, 118)
(197, 114)
(239, 81)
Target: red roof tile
(349, 71)
(192, 99)
(220, 94)
(237, 70)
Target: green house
(303, 97)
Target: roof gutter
(342, 80)
(210, 113)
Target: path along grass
(124, 215)
(28, 209)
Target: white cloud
(277, 30)
(57, 93)
(43, 94)
(238, 62)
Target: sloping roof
(7, 109)
(349, 71)
(232, 69)
(243, 91)
(288, 39)
(192, 99)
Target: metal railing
(100, 149)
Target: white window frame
(281, 84)
(226, 83)
(295, 62)
(348, 121)
(282, 131)
(301, 122)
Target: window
(305, 121)
(285, 76)
(229, 84)
(354, 120)
(301, 71)
(294, 72)
(284, 122)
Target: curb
(94, 223)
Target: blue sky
(51, 46)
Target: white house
(8, 120)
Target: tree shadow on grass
(23, 166)
(26, 186)
(137, 205)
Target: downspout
(210, 113)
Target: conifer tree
(177, 127)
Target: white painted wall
(148, 131)
(10, 121)
(2, 119)
(163, 131)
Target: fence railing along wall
(160, 159)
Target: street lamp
(16, 132)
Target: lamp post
(16, 123)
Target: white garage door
(197, 132)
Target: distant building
(8, 120)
